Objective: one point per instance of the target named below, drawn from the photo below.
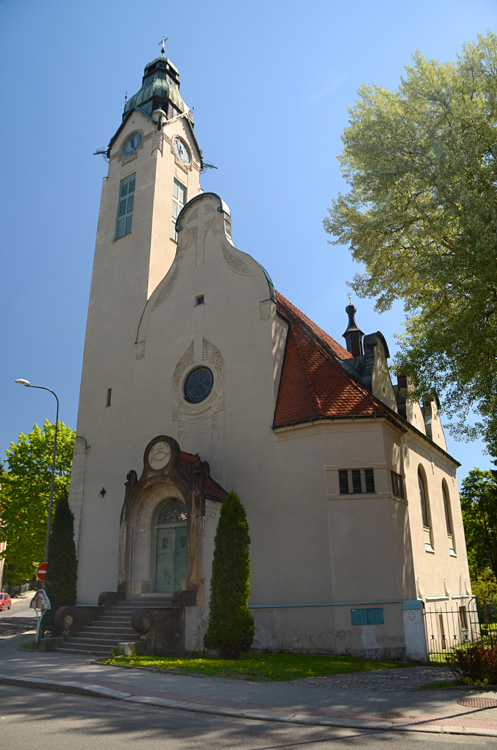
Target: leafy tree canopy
(479, 512)
(25, 495)
(421, 214)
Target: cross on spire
(163, 45)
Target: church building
(199, 378)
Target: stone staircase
(113, 626)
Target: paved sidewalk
(384, 699)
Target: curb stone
(80, 688)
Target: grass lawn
(30, 646)
(261, 667)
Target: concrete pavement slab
(385, 699)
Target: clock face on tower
(181, 150)
(131, 144)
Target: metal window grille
(356, 481)
(344, 482)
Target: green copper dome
(159, 90)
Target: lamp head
(21, 381)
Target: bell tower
(154, 169)
(154, 165)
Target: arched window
(448, 514)
(423, 498)
(174, 510)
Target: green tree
(231, 626)
(61, 578)
(25, 495)
(421, 215)
(485, 586)
(479, 512)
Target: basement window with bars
(356, 481)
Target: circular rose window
(198, 384)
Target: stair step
(112, 640)
(101, 629)
(85, 651)
(111, 627)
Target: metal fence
(449, 626)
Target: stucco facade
(323, 450)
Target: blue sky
(270, 83)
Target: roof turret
(159, 90)
(353, 335)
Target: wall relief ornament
(235, 264)
(213, 428)
(208, 226)
(185, 361)
(165, 287)
(158, 142)
(210, 353)
(265, 309)
(159, 295)
(190, 413)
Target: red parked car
(5, 601)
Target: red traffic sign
(41, 571)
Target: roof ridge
(313, 328)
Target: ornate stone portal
(162, 524)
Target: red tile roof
(314, 385)
(212, 488)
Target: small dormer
(368, 364)
(433, 424)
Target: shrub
(475, 665)
(61, 576)
(231, 626)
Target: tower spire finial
(353, 335)
(163, 45)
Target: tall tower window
(179, 200)
(125, 209)
(425, 511)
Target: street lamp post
(21, 381)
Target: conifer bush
(231, 626)
(61, 577)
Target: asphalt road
(18, 618)
(46, 721)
